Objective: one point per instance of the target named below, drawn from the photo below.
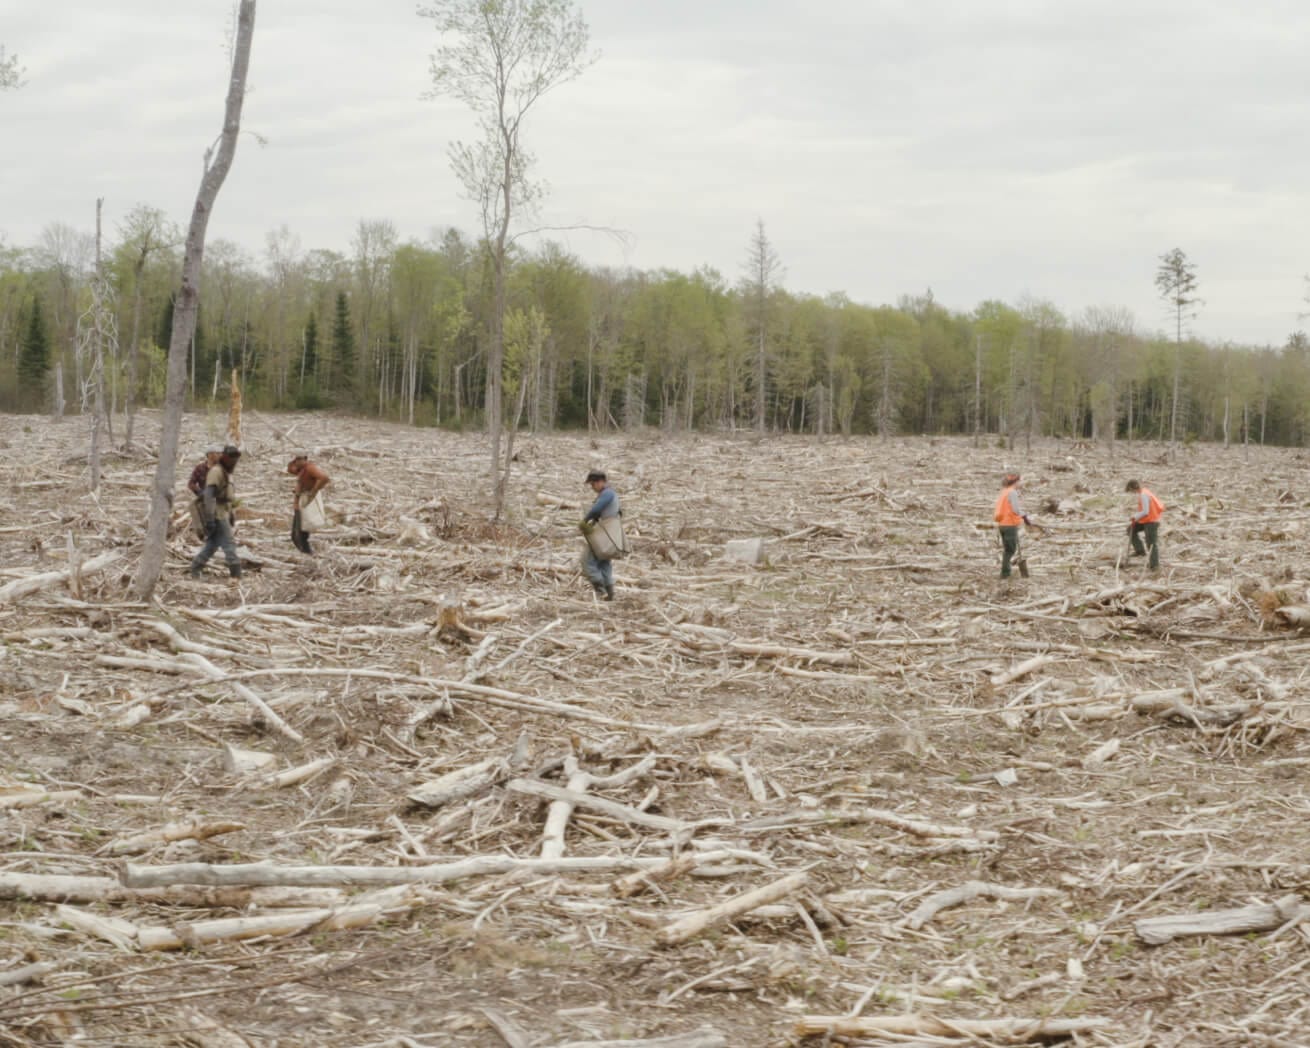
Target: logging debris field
(832, 783)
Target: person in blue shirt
(599, 572)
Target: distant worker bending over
(1145, 519)
(306, 519)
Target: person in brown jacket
(310, 480)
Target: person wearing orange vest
(1146, 519)
(1009, 515)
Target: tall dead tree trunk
(186, 308)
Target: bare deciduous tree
(187, 306)
(760, 278)
(11, 74)
(500, 57)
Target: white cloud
(985, 150)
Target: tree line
(399, 330)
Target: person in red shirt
(310, 480)
(1145, 519)
(196, 485)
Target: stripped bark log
(265, 873)
(173, 831)
(970, 890)
(611, 808)
(70, 888)
(461, 783)
(1016, 1031)
(21, 587)
(1260, 918)
(693, 924)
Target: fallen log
(693, 924)
(21, 587)
(461, 783)
(970, 890)
(579, 781)
(266, 873)
(611, 808)
(1017, 1031)
(356, 914)
(698, 1039)
(71, 888)
(1259, 918)
(173, 831)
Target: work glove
(586, 525)
(1026, 521)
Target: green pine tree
(309, 363)
(34, 358)
(343, 351)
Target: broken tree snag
(234, 413)
(693, 924)
(967, 892)
(1017, 1031)
(1259, 918)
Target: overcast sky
(986, 149)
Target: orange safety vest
(1004, 514)
(1154, 508)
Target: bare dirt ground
(859, 791)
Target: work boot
(195, 572)
(234, 570)
(609, 592)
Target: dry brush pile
(842, 785)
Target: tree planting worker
(196, 485)
(599, 570)
(1145, 519)
(216, 507)
(1008, 515)
(310, 480)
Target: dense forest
(398, 330)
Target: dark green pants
(1152, 542)
(1009, 548)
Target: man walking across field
(216, 507)
(310, 480)
(598, 567)
(1145, 520)
(1008, 515)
